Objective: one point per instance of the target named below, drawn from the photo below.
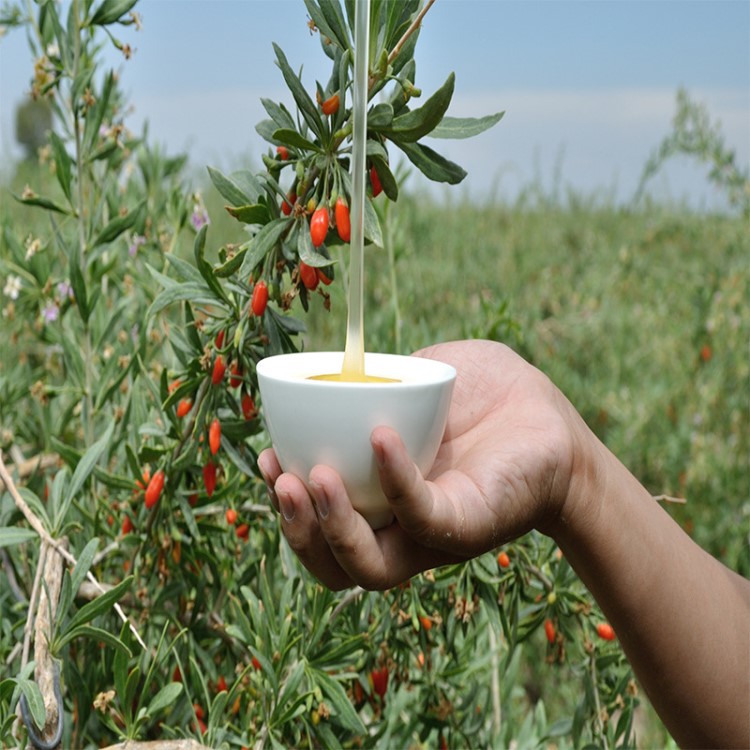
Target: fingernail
(286, 505)
(321, 499)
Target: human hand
(505, 466)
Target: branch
(56, 544)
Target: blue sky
(588, 86)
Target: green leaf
(292, 138)
(326, 15)
(192, 292)
(229, 188)
(340, 703)
(96, 634)
(278, 113)
(205, 268)
(417, 123)
(32, 199)
(99, 605)
(110, 11)
(465, 127)
(82, 566)
(255, 213)
(431, 164)
(34, 700)
(117, 226)
(387, 179)
(372, 229)
(84, 468)
(63, 163)
(301, 97)
(380, 116)
(12, 535)
(263, 243)
(165, 698)
(77, 280)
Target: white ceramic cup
(313, 422)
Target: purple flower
(199, 217)
(64, 290)
(138, 240)
(50, 312)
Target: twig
(36, 524)
(669, 499)
(351, 595)
(415, 24)
(495, 685)
(32, 605)
(30, 465)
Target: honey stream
(353, 368)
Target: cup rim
(430, 371)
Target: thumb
(414, 501)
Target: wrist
(579, 500)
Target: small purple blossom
(138, 240)
(199, 217)
(51, 312)
(64, 289)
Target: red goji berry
(706, 353)
(379, 681)
(144, 480)
(184, 407)
(343, 221)
(322, 276)
(309, 276)
(235, 381)
(199, 712)
(319, 226)
(127, 525)
(549, 630)
(254, 661)
(248, 406)
(259, 299)
(605, 631)
(377, 188)
(209, 477)
(153, 491)
(221, 684)
(503, 560)
(331, 105)
(283, 152)
(231, 516)
(243, 531)
(288, 203)
(214, 436)
(426, 622)
(219, 341)
(174, 385)
(220, 367)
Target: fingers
(299, 523)
(373, 560)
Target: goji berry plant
(145, 565)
